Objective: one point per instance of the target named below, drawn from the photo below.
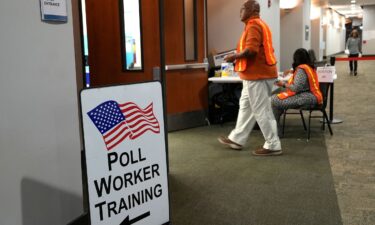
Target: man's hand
(230, 58)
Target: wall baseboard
(187, 120)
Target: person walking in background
(353, 44)
(301, 90)
(256, 65)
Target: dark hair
(253, 5)
(354, 31)
(301, 56)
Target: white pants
(255, 106)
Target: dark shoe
(355, 73)
(226, 141)
(266, 152)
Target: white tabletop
(236, 79)
(225, 79)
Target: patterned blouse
(303, 95)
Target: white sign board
(53, 10)
(219, 58)
(126, 154)
(326, 74)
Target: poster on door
(125, 152)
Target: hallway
(350, 151)
(328, 180)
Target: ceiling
(346, 2)
(345, 8)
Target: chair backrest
(324, 88)
(312, 56)
(313, 59)
(332, 60)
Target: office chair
(314, 60)
(324, 88)
(284, 116)
(312, 56)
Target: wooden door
(103, 19)
(186, 88)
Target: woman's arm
(347, 44)
(301, 82)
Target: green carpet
(211, 184)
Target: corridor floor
(325, 181)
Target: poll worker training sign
(125, 154)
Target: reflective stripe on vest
(313, 83)
(241, 64)
(267, 42)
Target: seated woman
(301, 90)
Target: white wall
(335, 41)
(272, 17)
(225, 26)
(316, 38)
(39, 128)
(291, 34)
(335, 36)
(368, 32)
(306, 43)
(356, 22)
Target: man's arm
(246, 53)
(253, 41)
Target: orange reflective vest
(313, 82)
(267, 44)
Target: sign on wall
(125, 154)
(53, 10)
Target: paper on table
(282, 77)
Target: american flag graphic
(116, 122)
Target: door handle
(187, 66)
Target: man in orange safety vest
(255, 63)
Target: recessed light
(352, 1)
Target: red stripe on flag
(113, 130)
(118, 134)
(140, 120)
(119, 141)
(112, 140)
(136, 115)
(137, 122)
(147, 129)
(141, 124)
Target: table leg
(332, 120)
